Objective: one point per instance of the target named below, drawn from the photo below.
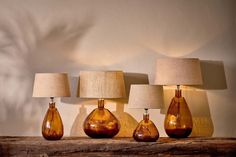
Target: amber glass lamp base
(101, 123)
(146, 130)
(178, 120)
(52, 127)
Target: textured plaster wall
(128, 35)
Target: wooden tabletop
(78, 146)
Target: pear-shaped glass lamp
(51, 85)
(101, 123)
(178, 71)
(145, 97)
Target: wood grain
(77, 146)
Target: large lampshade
(101, 84)
(178, 71)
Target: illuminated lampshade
(145, 97)
(51, 85)
(101, 123)
(178, 71)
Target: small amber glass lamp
(101, 123)
(145, 97)
(51, 85)
(178, 71)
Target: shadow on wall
(26, 47)
(213, 75)
(77, 126)
(213, 78)
(128, 123)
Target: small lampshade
(51, 85)
(145, 96)
(101, 84)
(178, 71)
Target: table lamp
(101, 123)
(146, 97)
(178, 71)
(51, 85)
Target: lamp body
(178, 120)
(101, 123)
(146, 130)
(52, 127)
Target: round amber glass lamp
(146, 130)
(101, 123)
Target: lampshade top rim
(52, 73)
(101, 71)
(177, 58)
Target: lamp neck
(100, 103)
(146, 115)
(178, 92)
(52, 99)
(52, 103)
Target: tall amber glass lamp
(51, 85)
(101, 123)
(145, 97)
(178, 71)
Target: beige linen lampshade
(145, 96)
(51, 85)
(178, 71)
(101, 84)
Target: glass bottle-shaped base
(101, 123)
(146, 130)
(178, 120)
(52, 127)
